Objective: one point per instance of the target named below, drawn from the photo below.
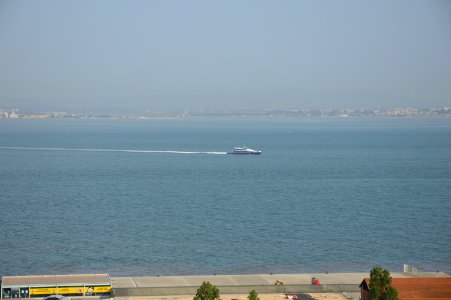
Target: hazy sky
(107, 56)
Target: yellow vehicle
(55, 285)
(71, 290)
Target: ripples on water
(327, 195)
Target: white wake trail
(115, 150)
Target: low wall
(238, 289)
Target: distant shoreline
(229, 116)
(404, 112)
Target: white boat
(244, 150)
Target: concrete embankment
(243, 284)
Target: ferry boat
(244, 150)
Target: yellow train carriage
(70, 290)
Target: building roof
(49, 280)
(419, 288)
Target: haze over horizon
(110, 56)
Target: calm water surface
(326, 195)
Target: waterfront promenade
(176, 286)
(232, 287)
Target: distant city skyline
(166, 56)
(442, 112)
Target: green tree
(380, 285)
(207, 291)
(253, 295)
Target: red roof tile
(422, 288)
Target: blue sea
(326, 195)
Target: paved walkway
(259, 279)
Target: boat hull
(245, 153)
